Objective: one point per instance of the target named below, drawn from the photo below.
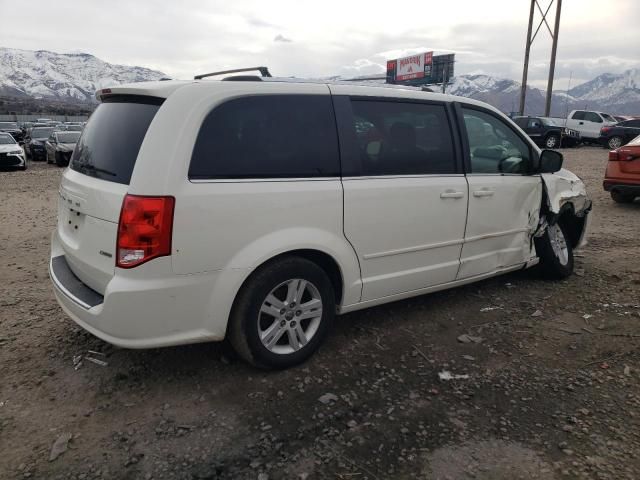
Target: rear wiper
(94, 169)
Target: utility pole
(530, 39)
(525, 70)
(552, 67)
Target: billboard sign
(421, 69)
(410, 68)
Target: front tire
(552, 141)
(555, 252)
(282, 313)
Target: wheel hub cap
(559, 244)
(290, 316)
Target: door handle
(451, 194)
(485, 192)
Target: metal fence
(34, 117)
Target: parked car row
(52, 143)
(11, 153)
(580, 126)
(41, 140)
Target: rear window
(109, 145)
(71, 137)
(268, 136)
(41, 132)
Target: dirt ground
(552, 389)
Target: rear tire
(282, 313)
(552, 141)
(614, 142)
(555, 253)
(619, 197)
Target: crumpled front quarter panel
(566, 187)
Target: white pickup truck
(587, 122)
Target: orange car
(622, 177)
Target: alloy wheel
(290, 316)
(558, 243)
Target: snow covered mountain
(76, 77)
(71, 77)
(611, 89)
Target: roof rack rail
(264, 71)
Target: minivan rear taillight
(613, 156)
(144, 230)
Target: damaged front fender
(566, 193)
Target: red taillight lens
(144, 231)
(613, 156)
(604, 130)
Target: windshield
(41, 133)
(109, 145)
(635, 142)
(70, 137)
(74, 128)
(608, 117)
(8, 125)
(7, 140)
(548, 122)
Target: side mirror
(550, 161)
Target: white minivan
(258, 209)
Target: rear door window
(268, 136)
(402, 138)
(109, 145)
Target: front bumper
(145, 307)
(12, 160)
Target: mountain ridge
(74, 77)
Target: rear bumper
(146, 307)
(622, 186)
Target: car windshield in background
(8, 125)
(110, 142)
(548, 122)
(608, 117)
(70, 137)
(41, 133)
(7, 140)
(74, 128)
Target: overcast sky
(322, 38)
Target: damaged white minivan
(258, 209)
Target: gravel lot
(552, 389)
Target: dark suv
(546, 133)
(615, 136)
(12, 129)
